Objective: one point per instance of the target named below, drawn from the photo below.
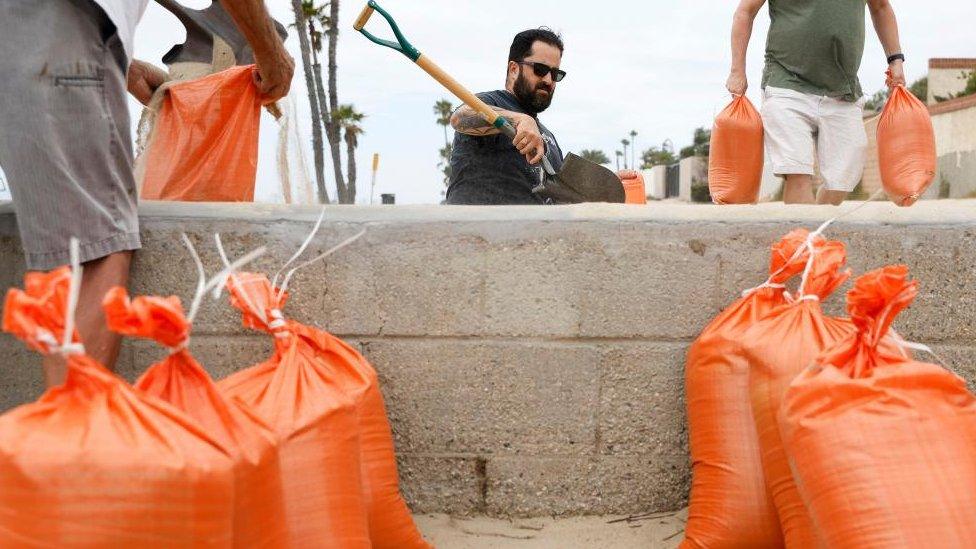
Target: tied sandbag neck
(809, 247)
(274, 319)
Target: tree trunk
(318, 146)
(351, 143)
(332, 126)
(333, 145)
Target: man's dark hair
(522, 45)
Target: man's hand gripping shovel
(578, 181)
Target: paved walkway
(657, 531)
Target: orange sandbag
(259, 513)
(93, 463)
(735, 162)
(729, 506)
(204, 147)
(633, 182)
(906, 147)
(778, 348)
(884, 447)
(328, 367)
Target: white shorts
(806, 131)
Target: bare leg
(100, 276)
(798, 189)
(835, 198)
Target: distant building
(954, 122)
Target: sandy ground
(656, 531)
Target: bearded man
(488, 168)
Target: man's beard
(529, 98)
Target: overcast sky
(648, 65)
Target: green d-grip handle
(402, 45)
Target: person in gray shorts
(65, 142)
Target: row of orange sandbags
(811, 431)
(295, 451)
(906, 151)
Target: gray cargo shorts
(65, 141)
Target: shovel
(578, 181)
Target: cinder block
(442, 484)
(547, 486)
(642, 407)
(959, 359)
(414, 280)
(489, 397)
(941, 258)
(648, 283)
(535, 283)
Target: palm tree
(619, 154)
(594, 156)
(349, 120)
(443, 110)
(625, 143)
(633, 149)
(332, 129)
(304, 10)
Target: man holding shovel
(65, 136)
(812, 101)
(489, 168)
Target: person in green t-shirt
(812, 100)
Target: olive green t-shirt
(816, 46)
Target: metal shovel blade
(581, 181)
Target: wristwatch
(893, 58)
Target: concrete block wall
(532, 358)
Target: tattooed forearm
(467, 121)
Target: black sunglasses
(541, 70)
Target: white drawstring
(905, 344)
(767, 284)
(68, 347)
(218, 280)
(334, 249)
(301, 249)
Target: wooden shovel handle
(460, 91)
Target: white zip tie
(766, 284)
(68, 346)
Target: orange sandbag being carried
(778, 348)
(884, 447)
(735, 162)
(633, 182)
(729, 506)
(906, 147)
(93, 463)
(204, 146)
(316, 378)
(259, 513)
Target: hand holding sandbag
(736, 156)
(906, 147)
